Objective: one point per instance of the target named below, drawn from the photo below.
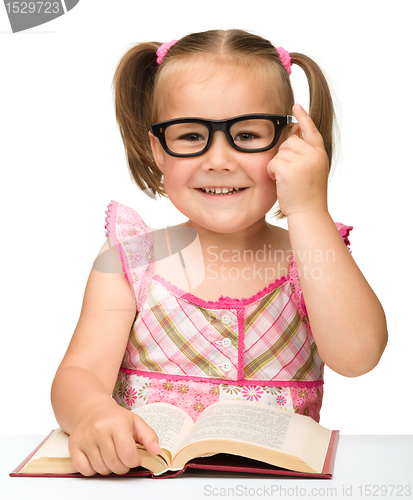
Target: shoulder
(108, 259)
(107, 273)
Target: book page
(170, 423)
(316, 436)
(242, 421)
(52, 457)
(56, 446)
(264, 426)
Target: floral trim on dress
(307, 401)
(279, 397)
(192, 397)
(131, 391)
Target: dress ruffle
(134, 241)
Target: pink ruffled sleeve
(296, 292)
(344, 232)
(134, 241)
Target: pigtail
(321, 104)
(133, 85)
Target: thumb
(144, 434)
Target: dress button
(226, 343)
(226, 367)
(226, 319)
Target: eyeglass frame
(158, 130)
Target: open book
(255, 431)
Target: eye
(191, 137)
(245, 137)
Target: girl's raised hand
(105, 440)
(300, 168)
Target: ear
(295, 130)
(156, 150)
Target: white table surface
(365, 467)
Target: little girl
(238, 308)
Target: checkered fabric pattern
(173, 336)
(264, 339)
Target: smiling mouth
(221, 191)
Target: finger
(295, 130)
(275, 166)
(81, 463)
(295, 145)
(96, 461)
(145, 435)
(110, 457)
(311, 134)
(126, 449)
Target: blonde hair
(139, 82)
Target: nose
(220, 155)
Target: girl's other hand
(300, 168)
(105, 440)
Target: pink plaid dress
(191, 353)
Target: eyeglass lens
(187, 138)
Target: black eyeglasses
(255, 133)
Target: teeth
(220, 191)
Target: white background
(62, 161)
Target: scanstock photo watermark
(264, 263)
(179, 248)
(25, 15)
(355, 491)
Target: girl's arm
(102, 434)
(347, 319)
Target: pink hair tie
(285, 58)
(163, 50)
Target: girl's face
(216, 93)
